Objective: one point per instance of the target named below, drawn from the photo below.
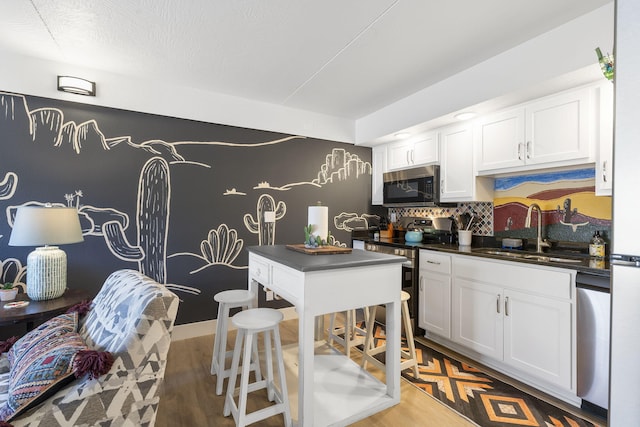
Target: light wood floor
(188, 398)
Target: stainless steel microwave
(412, 187)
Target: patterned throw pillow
(47, 361)
(40, 372)
(58, 325)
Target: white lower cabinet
(434, 314)
(521, 317)
(478, 317)
(537, 336)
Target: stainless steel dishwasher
(594, 319)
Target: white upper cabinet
(379, 167)
(499, 140)
(548, 132)
(402, 155)
(604, 163)
(557, 128)
(458, 182)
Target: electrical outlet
(270, 216)
(393, 217)
(269, 296)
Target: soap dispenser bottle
(596, 246)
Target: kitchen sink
(527, 255)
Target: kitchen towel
(319, 220)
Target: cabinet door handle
(433, 262)
(528, 149)
(604, 171)
(413, 157)
(506, 306)
(498, 304)
(408, 155)
(421, 283)
(520, 150)
(442, 186)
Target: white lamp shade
(37, 225)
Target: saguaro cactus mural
(154, 196)
(266, 230)
(8, 186)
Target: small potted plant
(8, 291)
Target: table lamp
(47, 265)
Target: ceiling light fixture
(76, 85)
(466, 115)
(402, 135)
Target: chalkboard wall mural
(176, 199)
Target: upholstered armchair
(132, 318)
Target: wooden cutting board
(321, 250)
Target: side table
(39, 311)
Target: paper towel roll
(319, 219)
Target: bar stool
(411, 361)
(236, 298)
(353, 335)
(250, 324)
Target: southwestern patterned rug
(481, 398)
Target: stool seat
(234, 296)
(227, 300)
(257, 319)
(250, 323)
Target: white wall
(563, 50)
(33, 76)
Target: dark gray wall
(177, 199)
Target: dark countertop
(304, 262)
(587, 264)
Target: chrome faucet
(540, 242)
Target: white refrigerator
(624, 397)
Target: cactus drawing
(154, 196)
(12, 270)
(222, 245)
(266, 231)
(8, 186)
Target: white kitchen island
(332, 389)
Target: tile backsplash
(483, 211)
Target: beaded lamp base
(46, 273)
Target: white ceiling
(341, 58)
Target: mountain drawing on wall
(340, 165)
(47, 126)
